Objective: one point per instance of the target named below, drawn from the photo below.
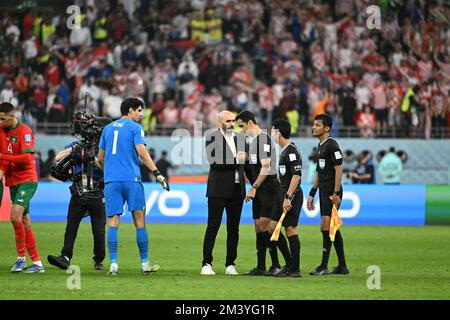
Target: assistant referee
(328, 179)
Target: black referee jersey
(261, 147)
(290, 164)
(329, 155)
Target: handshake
(160, 178)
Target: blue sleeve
(138, 135)
(70, 145)
(102, 145)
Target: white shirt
(6, 95)
(80, 37)
(112, 106)
(229, 138)
(29, 48)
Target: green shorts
(21, 194)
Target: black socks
(272, 246)
(339, 246)
(294, 244)
(261, 251)
(326, 247)
(283, 246)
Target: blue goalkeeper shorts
(120, 192)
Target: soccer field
(414, 264)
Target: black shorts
(326, 205)
(292, 216)
(265, 202)
(381, 115)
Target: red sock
(19, 230)
(31, 245)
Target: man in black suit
(225, 189)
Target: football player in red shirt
(17, 164)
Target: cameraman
(83, 202)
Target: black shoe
(272, 271)
(98, 266)
(255, 272)
(320, 271)
(283, 271)
(340, 270)
(61, 262)
(293, 274)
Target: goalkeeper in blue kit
(122, 143)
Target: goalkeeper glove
(160, 178)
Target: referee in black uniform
(328, 179)
(261, 171)
(290, 195)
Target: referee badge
(282, 170)
(322, 163)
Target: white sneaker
(207, 270)
(113, 269)
(231, 270)
(149, 268)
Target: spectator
(7, 94)
(366, 122)
(46, 169)
(81, 36)
(111, 105)
(57, 112)
(380, 106)
(164, 165)
(348, 103)
(169, 117)
(363, 173)
(39, 164)
(189, 114)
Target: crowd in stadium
(190, 59)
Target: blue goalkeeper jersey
(118, 140)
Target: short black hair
(392, 149)
(6, 107)
(164, 153)
(245, 116)
(283, 126)
(133, 103)
(326, 120)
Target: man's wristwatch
(338, 193)
(288, 197)
(255, 186)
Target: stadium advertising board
(186, 203)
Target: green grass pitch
(414, 264)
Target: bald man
(225, 151)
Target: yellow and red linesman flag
(276, 232)
(335, 223)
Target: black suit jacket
(221, 178)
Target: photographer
(86, 190)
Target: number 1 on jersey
(116, 136)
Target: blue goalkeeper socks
(142, 242)
(113, 242)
